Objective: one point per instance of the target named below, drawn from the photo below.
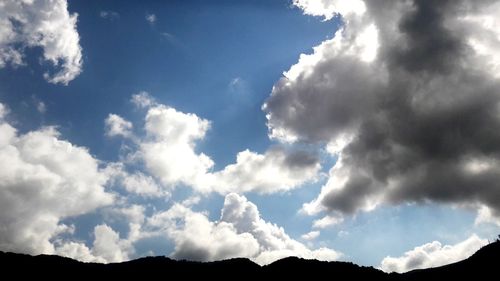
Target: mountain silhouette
(481, 265)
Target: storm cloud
(407, 96)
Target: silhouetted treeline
(480, 266)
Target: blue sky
(218, 61)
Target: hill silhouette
(481, 265)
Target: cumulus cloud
(169, 153)
(274, 171)
(433, 254)
(240, 232)
(107, 247)
(168, 149)
(135, 182)
(142, 184)
(78, 251)
(117, 126)
(46, 24)
(330, 8)
(47, 179)
(200, 239)
(406, 97)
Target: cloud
(169, 153)
(117, 126)
(135, 182)
(486, 215)
(41, 107)
(46, 180)
(311, 235)
(3, 111)
(240, 232)
(168, 149)
(78, 251)
(49, 180)
(330, 8)
(432, 255)
(45, 24)
(107, 247)
(131, 213)
(234, 82)
(111, 15)
(142, 184)
(143, 100)
(202, 240)
(406, 98)
(327, 221)
(151, 18)
(276, 170)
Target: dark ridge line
(481, 265)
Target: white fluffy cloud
(276, 170)
(327, 221)
(46, 179)
(432, 255)
(329, 8)
(46, 24)
(50, 179)
(117, 126)
(168, 151)
(107, 247)
(140, 183)
(240, 232)
(311, 235)
(198, 238)
(78, 251)
(135, 182)
(143, 100)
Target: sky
(207, 130)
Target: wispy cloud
(111, 15)
(151, 18)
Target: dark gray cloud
(423, 117)
(317, 107)
(351, 196)
(191, 252)
(301, 159)
(427, 44)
